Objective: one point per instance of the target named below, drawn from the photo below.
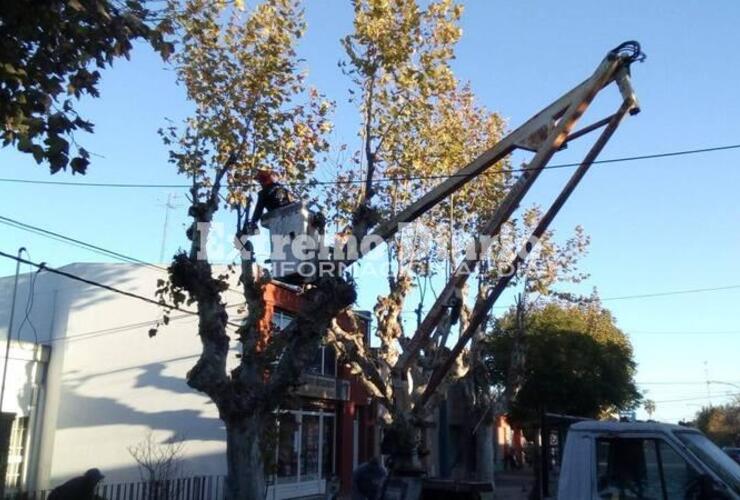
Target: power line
(673, 292)
(99, 285)
(726, 332)
(382, 179)
(681, 383)
(125, 328)
(725, 395)
(84, 245)
(75, 242)
(127, 258)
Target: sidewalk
(514, 485)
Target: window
(16, 453)
(325, 361)
(287, 451)
(643, 469)
(714, 458)
(327, 454)
(310, 449)
(281, 319)
(305, 448)
(680, 477)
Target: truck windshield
(714, 458)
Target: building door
(304, 456)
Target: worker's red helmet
(264, 177)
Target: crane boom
(483, 307)
(614, 68)
(544, 133)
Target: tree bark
(245, 465)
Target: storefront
(305, 454)
(327, 427)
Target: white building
(85, 382)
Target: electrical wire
(100, 285)
(129, 326)
(125, 328)
(718, 395)
(29, 308)
(381, 179)
(683, 383)
(726, 332)
(673, 292)
(75, 242)
(84, 245)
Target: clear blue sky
(658, 225)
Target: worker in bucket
(272, 195)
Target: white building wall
(26, 366)
(24, 395)
(108, 383)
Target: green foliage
(50, 54)
(650, 407)
(419, 121)
(721, 424)
(577, 362)
(240, 70)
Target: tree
(549, 264)
(419, 122)
(649, 406)
(578, 362)
(47, 54)
(721, 423)
(159, 465)
(251, 111)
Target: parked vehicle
(644, 461)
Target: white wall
(109, 384)
(25, 368)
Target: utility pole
(706, 377)
(10, 327)
(169, 205)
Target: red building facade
(328, 426)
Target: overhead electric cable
(653, 156)
(99, 285)
(83, 244)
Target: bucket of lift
(296, 238)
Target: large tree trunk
(245, 466)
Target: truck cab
(645, 461)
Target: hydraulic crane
(547, 132)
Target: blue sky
(656, 226)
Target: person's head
(94, 475)
(264, 177)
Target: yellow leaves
(241, 71)
(324, 107)
(457, 11)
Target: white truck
(646, 461)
